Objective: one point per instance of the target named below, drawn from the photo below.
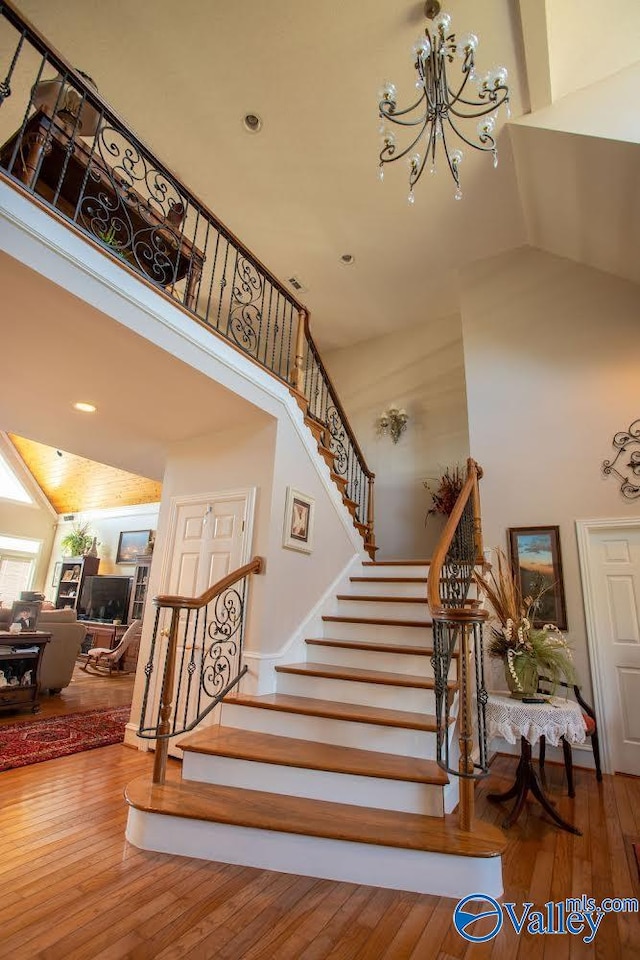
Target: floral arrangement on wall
(445, 491)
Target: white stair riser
(354, 691)
(342, 733)
(389, 570)
(405, 663)
(397, 610)
(378, 633)
(390, 867)
(380, 589)
(384, 794)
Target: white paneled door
(209, 542)
(610, 557)
(211, 537)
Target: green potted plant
(77, 541)
(526, 652)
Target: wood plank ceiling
(72, 484)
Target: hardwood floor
(85, 692)
(73, 888)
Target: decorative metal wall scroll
(623, 442)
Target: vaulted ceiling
(72, 484)
(304, 191)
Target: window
(10, 486)
(15, 576)
(17, 566)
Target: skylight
(10, 486)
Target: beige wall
(268, 455)
(420, 369)
(552, 361)
(106, 525)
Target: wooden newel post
(166, 700)
(477, 521)
(371, 537)
(298, 374)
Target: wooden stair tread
(362, 597)
(396, 563)
(319, 818)
(334, 710)
(374, 647)
(289, 751)
(330, 672)
(388, 579)
(378, 621)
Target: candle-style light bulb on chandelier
(442, 110)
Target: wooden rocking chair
(106, 661)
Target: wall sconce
(392, 422)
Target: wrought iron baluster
(69, 151)
(5, 85)
(223, 281)
(20, 136)
(213, 277)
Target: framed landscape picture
(537, 562)
(132, 544)
(298, 521)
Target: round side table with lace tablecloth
(554, 719)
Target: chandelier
(441, 110)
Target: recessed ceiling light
(85, 407)
(347, 259)
(252, 122)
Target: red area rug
(37, 740)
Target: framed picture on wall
(132, 544)
(537, 562)
(55, 580)
(298, 521)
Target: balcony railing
(62, 143)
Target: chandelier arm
(413, 179)
(470, 143)
(391, 115)
(455, 97)
(409, 123)
(495, 104)
(408, 149)
(453, 167)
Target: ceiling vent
(296, 283)
(69, 516)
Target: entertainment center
(104, 603)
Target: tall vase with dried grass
(526, 652)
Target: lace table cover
(512, 719)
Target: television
(104, 598)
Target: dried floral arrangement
(527, 652)
(445, 491)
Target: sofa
(59, 657)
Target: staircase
(334, 774)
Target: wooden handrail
(474, 473)
(463, 620)
(20, 22)
(256, 565)
(339, 407)
(176, 604)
